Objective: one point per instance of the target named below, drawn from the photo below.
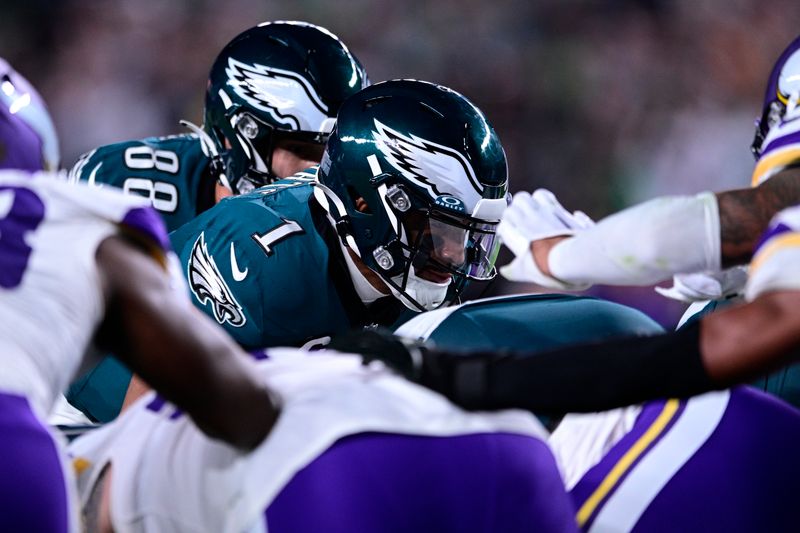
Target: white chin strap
(428, 294)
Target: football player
(84, 268)
(354, 449)
(399, 215)
(652, 467)
(719, 350)
(271, 101)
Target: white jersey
(51, 299)
(324, 397)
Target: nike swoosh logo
(238, 275)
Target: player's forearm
(581, 379)
(723, 349)
(196, 366)
(745, 213)
(179, 352)
(745, 342)
(643, 245)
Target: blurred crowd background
(605, 102)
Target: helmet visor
(449, 244)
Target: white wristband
(644, 244)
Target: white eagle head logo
(285, 95)
(208, 285)
(438, 169)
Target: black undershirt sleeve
(586, 378)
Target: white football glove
(530, 218)
(776, 262)
(703, 286)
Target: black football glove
(402, 355)
(460, 376)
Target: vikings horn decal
(207, 285)
(439, 169)
(285, 95)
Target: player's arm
(725, 348)
(722, 349)
(176, 350)
(647, 243)
(745, 213)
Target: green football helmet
(417, 181)
(276, 81)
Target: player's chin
(434, 276)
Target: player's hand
(536, 217)
(776, 262)
(706, 286)
(401, 355)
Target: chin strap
(341, 219)
(216, 165)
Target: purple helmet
(28, 138)
(783, 84)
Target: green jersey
(532, 322)
(268, 267)
(783, 383)
(173, 172)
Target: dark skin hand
(177, 350)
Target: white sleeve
(644, 244)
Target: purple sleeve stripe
(772, 232)
(148, 222)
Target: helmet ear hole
(361, 205)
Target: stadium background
(605, 102)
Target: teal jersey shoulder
(171, 171)
(783, 383)
(257, 264)
(529, 322)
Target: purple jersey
(723, 461)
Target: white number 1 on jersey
(269, 239)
